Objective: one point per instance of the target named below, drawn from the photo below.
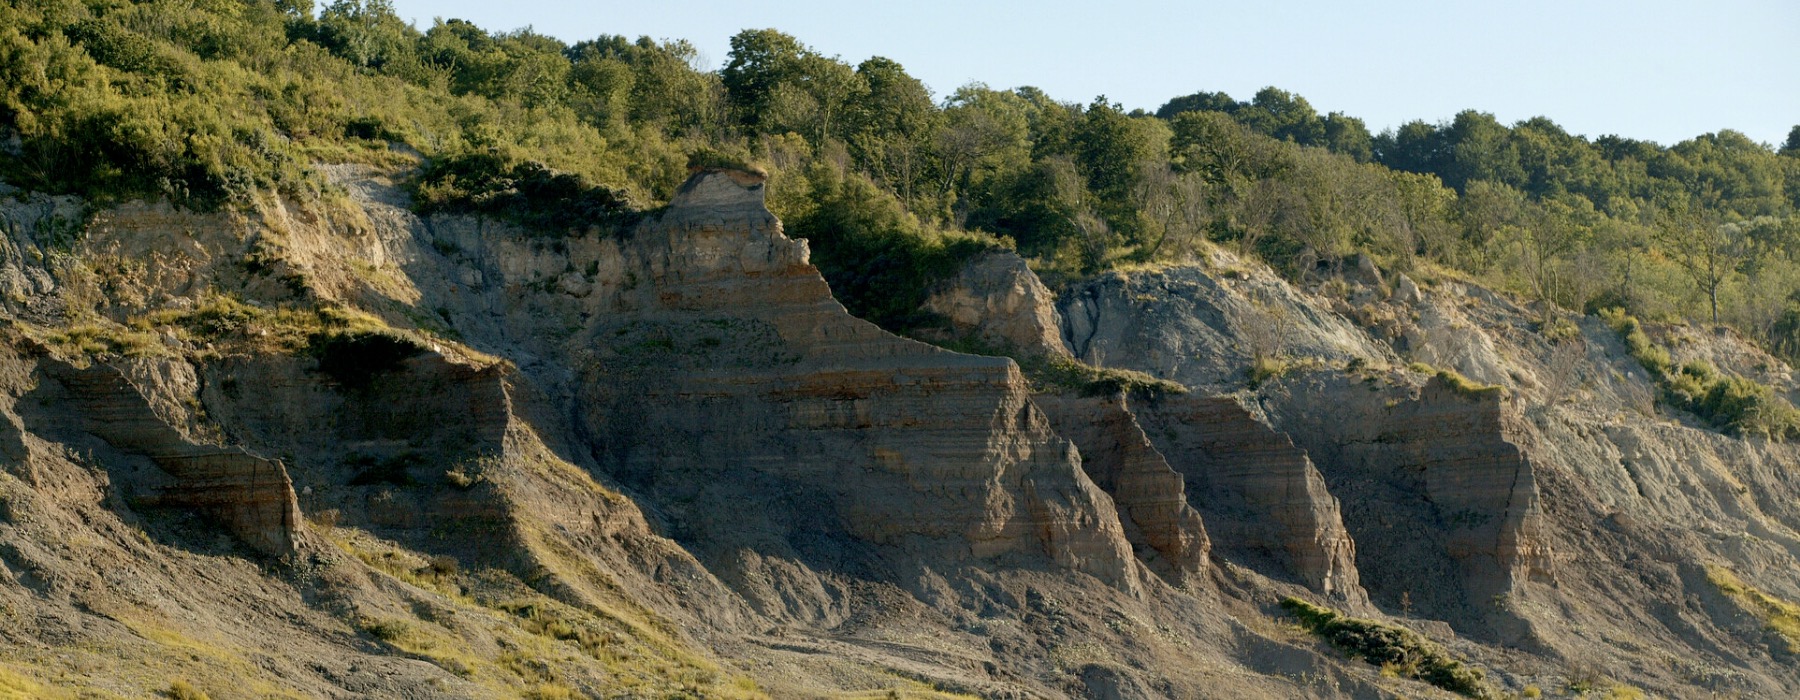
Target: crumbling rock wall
(997, 300)
(1151, 497)
(1259, 492)
(250, 493)
(731, 388)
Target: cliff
(333, 449)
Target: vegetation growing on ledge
(880, 260)
(1061, 374)
(737, 159)
(1064, 374)
(1390, 647)
(1466, 387)
(354, 359)
(1731, 403)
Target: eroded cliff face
(999, 302)
(732, 387)
(1518, 515)
(1259, 491)
(451, 458)
(1151, 496)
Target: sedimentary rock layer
(734, 389)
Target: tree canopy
(210, 103)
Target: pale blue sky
(1650, 69)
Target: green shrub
(526, 193)
(387, 630)
(1637, 343)
(1784, 335)
(1734, 404)
(354, 359)
(880, 261)
(1747, 407)
(1389, 646)
(1560, 329)
(1701, 370)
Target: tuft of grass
(183, 690)
(1395, 649)
(550, 691)
(1264, 367)
(1468, 388)
(226, 320)
(17, 686)
(1625, 692)
(103, 339)
(460, 478)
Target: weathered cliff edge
(746, 396)
(665, 461)
(1549, 514)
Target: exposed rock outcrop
(251, 494)
(997, 300)
(826, 508)
(1202, 330)
(1150, 496)
(1259, 492)
(1470, 451)
(729, 376)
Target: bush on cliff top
(354, 359)
(1389, 646)
(880, 260)
(1466, 387)
(526, 193)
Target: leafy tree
(985, 134)
(1198, 102)
(1349, 136)
(1110, 150)
(1283, 115)
(893, 126)
(367, 33)
(1708, 252)
(1416, 147)
(760, 61)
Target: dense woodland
(217, 103)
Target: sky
(1655, 70)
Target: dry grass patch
(1779, 616)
